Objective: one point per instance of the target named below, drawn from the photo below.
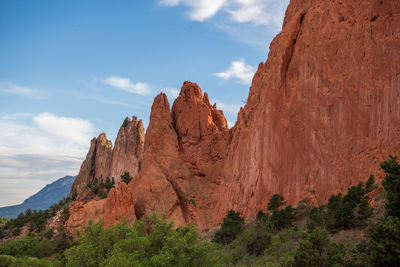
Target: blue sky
(70, 70)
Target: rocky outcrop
(128, 149)
(322, 112)
(103, 161)
(116, 207)
(180, 167)
(97, 165)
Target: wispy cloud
(228, 107)
(172, 93)
(37, 149)
(125, 84)
(200, 9)
(239, 71)
(258, 12)
(13, 89)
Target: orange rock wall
(323, 110)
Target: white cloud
(228, 108)
(258, 12)
(125, 84)
(238, 70)
(13, 89)
(172, 93)
(37, 149)
(71, 130)
(200, 9)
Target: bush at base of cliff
(232, 226)
(150, 242)
(126, 177)
(392, 185)
(10, 261)
(318, 250)
(385, 242)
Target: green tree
(17, 231)
(49, 234)
(317, 218)
(370, 184)
(126, 177)
(276, 202)
(385, 242)
(74, 195)
(2, 233)
(284, 218)
(318, 250)
(151, 242)
(43, 249)
(391, 184)
(232, 226)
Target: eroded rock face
(128, 149)
(323, 110)
(117, 206)
(97, 165)
(103, 161)
(180, 168)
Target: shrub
(43, 249)
(126, 122)
(65, 213)
(318, 250)
(276, 202)
(74, 195)
(122, 245)
(283, 218)
(49, 234)
(232, 226)
(17, 231)
(126, 177)
(256, 239)
(385, 242)
(2, 233)
(316, 219)
(370, 184)
(391, 183)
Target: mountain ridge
(43, 199)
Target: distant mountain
(49, 195)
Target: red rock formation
(181, 165)
(322, 112)
(97, 165)
(118, 205)
(102, 161)
(128, 149)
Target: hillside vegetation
(346, 231)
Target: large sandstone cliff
(322, 112)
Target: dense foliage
(101, 188)
(392, 186)
(280, 236)
(37, 219)
(232, 226)
(276, 202)
(346, 212)
(150, 242)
